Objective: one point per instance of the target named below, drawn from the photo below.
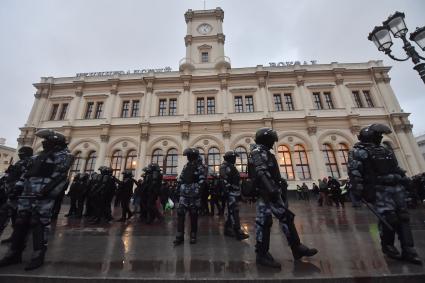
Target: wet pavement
(347, 239)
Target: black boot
(11, 257)
(193, 238)
(391, 251)
(228, 230)
(264, 258)
(178, 241)
(37, 259)
(240, 234)
(409, 254)
(302, 250)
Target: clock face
(204, 28)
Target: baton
(377, 215)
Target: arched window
(76, 164)
(285, 162)
(242, 160)
(158, 157)
(301, 163)
(90, 162)
(171, 162)
(131, 162)
(116, 161)
(343, 155)
(330, 161)
(213, 160)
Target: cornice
(205, 91)
(131, 94)
(281, 88)
(61, 98)
(320, 86)
(95, 96)
(243, 90)
(167, 93)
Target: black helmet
(373, 133)
(191, 153)
(230, 156)
(51, 138)
(266, 136)
(127, 173)
(154, 167)
(25, 152)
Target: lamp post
(395, 24)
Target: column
(100, 160)
(320, 169)
(224, 100)
(147, 108)
(144, 137)
(75, 106)
(111, 103)
(415, 149)
(307, 103)
(41, 105)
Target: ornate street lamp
(396, 26)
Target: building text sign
(292, 63)
(129, 72)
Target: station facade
(128, 119)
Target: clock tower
(204, 41)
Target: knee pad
(391, 217)
(404, 216)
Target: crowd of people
(33, 188)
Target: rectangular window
(368, 99)
(125, 108)
(210, 105)
(328, 100)
(204, 57)
(172, 110)
(135, 108)
(200, 106)
(99, 110)
(357, 99)
(54, 111)
(238, 104)
(289, 105)
(89, 110)
(162, 107)
(249, 103)
(64, 109)
(316, 101)
(277, 102)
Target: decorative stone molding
(205, 91)
(243, 90)
(227, 134)
(114, 85)
(188, 16)
(321, 86)
(408, 128)
(300, 82)
(221, 38)
(185, 129)
(149, 83)
(224, 78)
(312, 130)
(355, 129)
(219, 14)
(398, 128)
(204, 47)
(188, 40)
(281, 88)
(104, 138)
(339, 75)
(37, 95)
(144, 130)
(186, 81)
(226, 128)
(95, 96)
(61, 98)
(268, 122)
(300, 76)
(168, 93)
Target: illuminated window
(90, 162)
(213, 160)
(242, 160)
(330, 161)
(171, 162)
(131, 161)
(116, 161)
(285, 162)
(301, 163)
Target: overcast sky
(62, 38)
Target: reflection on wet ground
(347, 240)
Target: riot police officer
(263, 169)
(152, 187)
(376, 177)
(230, 180)
(103, 193)
(42, 183)
(124, 193)
(8, 208)
(190, 181)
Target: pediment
(204, 46)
